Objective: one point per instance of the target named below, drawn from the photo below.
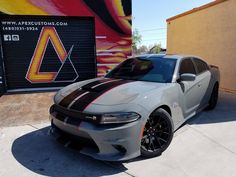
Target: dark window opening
(187, 66)
(201, 65)
(145, 69)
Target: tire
(214, 97)
(157, 135)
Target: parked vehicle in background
(137, 107)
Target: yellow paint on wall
(210, 34)
(121, 13)
(47, 33)
(20, 7)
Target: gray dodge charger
(135, 109)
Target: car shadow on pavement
(39, 152)
(225, 111)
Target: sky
(149, 17)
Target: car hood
(127, 92)
(103, 92)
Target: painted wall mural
(34, 75)
(112, 21)
(47, 51)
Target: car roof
(169, 56)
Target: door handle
(199, 85)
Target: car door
(192, 91)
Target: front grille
(77, 142)
(72, 116)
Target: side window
(187, 66)
(201, 65)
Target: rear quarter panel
(215, 78)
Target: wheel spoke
(162, 132)
(162, 139)
(144, 138)
(150, 121)
(166, 133)
(162, 129)
(151, 143)
(159, 124)
(158, 141)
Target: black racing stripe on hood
(91, 84)
(82, 103)
(68, 99)
(73, 95)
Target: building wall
(209, 33)
(112, 18)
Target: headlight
(123, 117)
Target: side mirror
(187, 77)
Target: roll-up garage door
(44, 52)
(1, 70)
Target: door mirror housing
(187, 77)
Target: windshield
(145, 69)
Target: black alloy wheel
(157, 134)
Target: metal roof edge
(196, 9)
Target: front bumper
(111, 142)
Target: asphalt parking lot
(204, 146)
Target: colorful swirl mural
(112, 19)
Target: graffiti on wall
(112, 21)
(49, 34)
(47, 51)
